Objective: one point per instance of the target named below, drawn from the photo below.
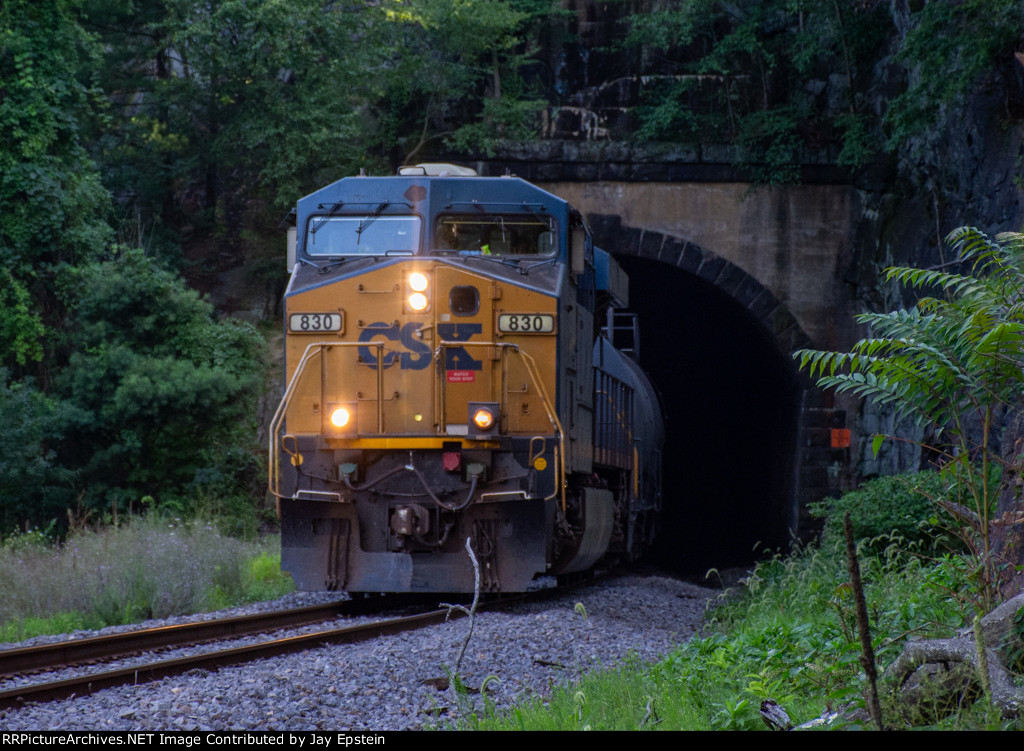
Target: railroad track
(77, 651)
(20, 661)
(24, 660)
(62, 654)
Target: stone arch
(704, 264)
(778, 325)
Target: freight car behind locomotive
(447, 377)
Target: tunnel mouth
(731, 403)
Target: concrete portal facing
(782, 254)
(795, 242)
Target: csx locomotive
(446, 379)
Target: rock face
(801, 259)
(966, 169)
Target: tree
(158, 396)
(770, 76)
(33, 487)
(50, 190)
(21, 330)
(224, 112)
(52, 205)
(954, 362)
(458, 73)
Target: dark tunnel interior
(731, 414)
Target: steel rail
(73, 651)
(87, 684)
(92, 682)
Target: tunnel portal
(732, 404)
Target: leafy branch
(954, 362)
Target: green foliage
(884, 508)
(158, 394)
(31, 428)
(953, 362)
(712, 70)
(459, 76)
(945, 356)
(771, 141)
(235, 105)
(860, 144)
(242, 107)
(21, 330)
(209, 119)
(769, 76)
(147, 568)
(951, 47)
(790, 636)
(53, 203)
(263, 578)
(508, 117)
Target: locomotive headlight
(418, 301)
(340, 417)
(418, 282)
(483, 419)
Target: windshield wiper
(322, 269)
(333, 264)
(524, 270)
(376, 257)
(321, 221)
(364, 223)
(494, 259)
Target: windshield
(362, 235)
(496, 234)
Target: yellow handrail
(531, 369)
(316, 348)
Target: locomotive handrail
(531, 369)
(315, 348)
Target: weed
(147, 567)
(886, 508)
(791, 637)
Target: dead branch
(867, 656)
(961, 512)
(471, 611)
(950, 670)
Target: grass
(789, 637)
(146, 568)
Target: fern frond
(957, 284)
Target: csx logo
(418, 354)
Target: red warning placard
(840, 438)
(461, 376)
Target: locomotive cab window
(367, 235)
(496, 234)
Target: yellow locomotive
(444, 382)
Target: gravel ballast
(388, 683)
